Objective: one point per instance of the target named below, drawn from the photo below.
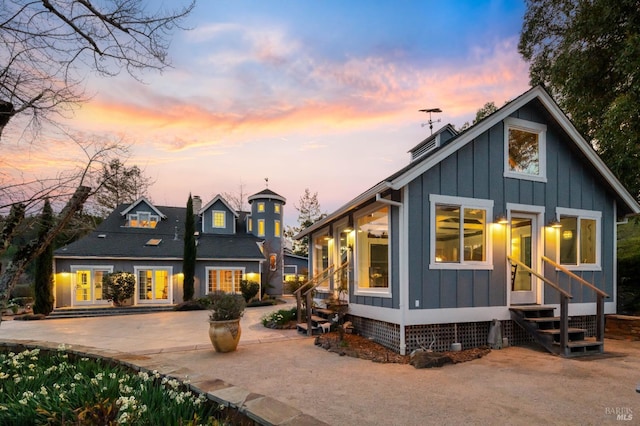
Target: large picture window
(322, 258)
(372, 250)
(460, 232)
(525, 150)
(224, 279)
(579, 238)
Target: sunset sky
(309, 94)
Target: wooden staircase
(546, 329)
(319, 316)
(553, 332)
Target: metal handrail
(575, 277)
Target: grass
(58, 388)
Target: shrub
(119, 286)
(226, 306)
(191, 305)
(249, 289)
(279, 318)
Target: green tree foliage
(308, 213)
(120, 184)
(488, 109)
(118, 286)
(587, 54)
(44, 266)
(189, 257)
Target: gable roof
(405, 175)
(142, 200)
(212, 202)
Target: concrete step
(107, 311)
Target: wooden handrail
(575, 277)
(313, 279)
(546, 280)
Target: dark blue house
(147, 240)
(433, 250)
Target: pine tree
(44, 266)
(189, 258)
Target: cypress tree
(189, 258)
(44, 266)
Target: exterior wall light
(502, 219)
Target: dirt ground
(361, 347)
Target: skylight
(154, 242)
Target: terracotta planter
(224, 335)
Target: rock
(427, 359)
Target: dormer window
(142, 220)
(219, 219)
(525, 150)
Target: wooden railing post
(309, 310)
(600, 318)
(299, 307)
(564, 324)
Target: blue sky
(311, 94)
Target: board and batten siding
(476, 171)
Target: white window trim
(221, 268)
(463, 202)
(73, 269)
(324, 232)
(368, 291)
(532, 127)
(261, 207)
(213, 219)
(169, 269)
(264, 229)
(138, 219)
(582, 214)
(276, 208)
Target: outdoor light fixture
(502, 219)
(553, 223)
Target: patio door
(524, 235)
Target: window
(276, 228)
(322, 258)
(372, 250)
(153, 284)
(260, 207)
(579, 238)
(227, 280)
(276, 208)
(525, 150)
(260, 227)
(88, 284)
(219, 219)
(142, 220)
(460, 233)
(273, 262)
(249, 224)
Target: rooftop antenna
(430, 122)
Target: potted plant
(224, 320)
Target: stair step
(317, 319)
(542, 319)
(533, 311)
(324, 311)
(584, 343)
(304, 327)
(557, 331)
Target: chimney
(197, 203)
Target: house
(481, 225)
(147, 240)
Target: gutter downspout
(401, 289)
